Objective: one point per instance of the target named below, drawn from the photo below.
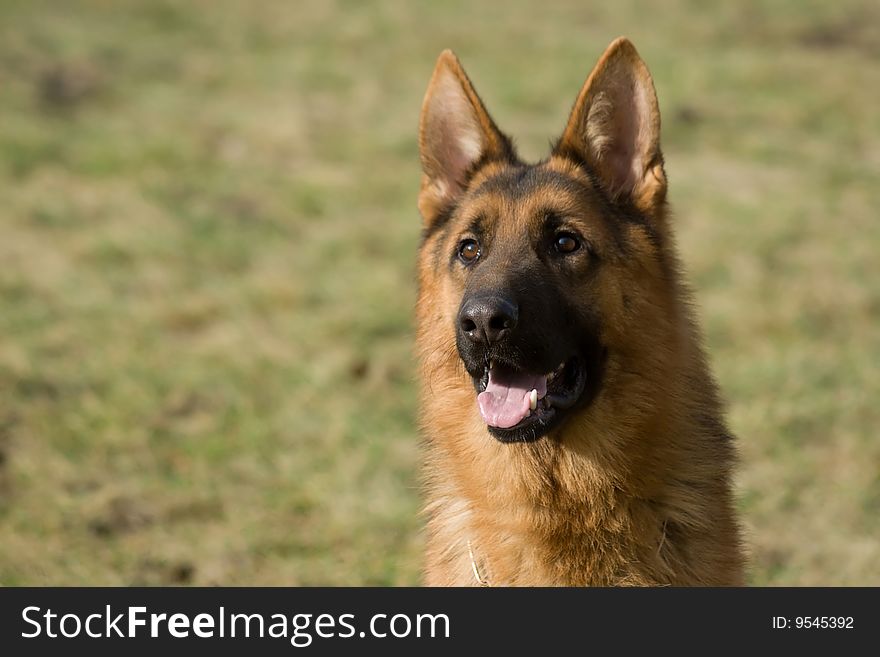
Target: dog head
(537, 273)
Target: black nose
(487, 319)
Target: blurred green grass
(208, 236)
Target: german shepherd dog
(574, 432)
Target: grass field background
(207, 243)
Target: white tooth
(533, 399)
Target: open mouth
(519, 406)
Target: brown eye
(566, 243)
(468, 251)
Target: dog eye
(566, 243)
(468, 251)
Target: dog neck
(592, 513)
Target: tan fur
(633, 490)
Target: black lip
(529, 430)
(567, 395)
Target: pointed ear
(455, 133)
(615, 128)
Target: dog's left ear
(614, 128)
(455, 134)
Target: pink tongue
(505, 402)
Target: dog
(574, 434)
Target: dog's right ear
(456, 134)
